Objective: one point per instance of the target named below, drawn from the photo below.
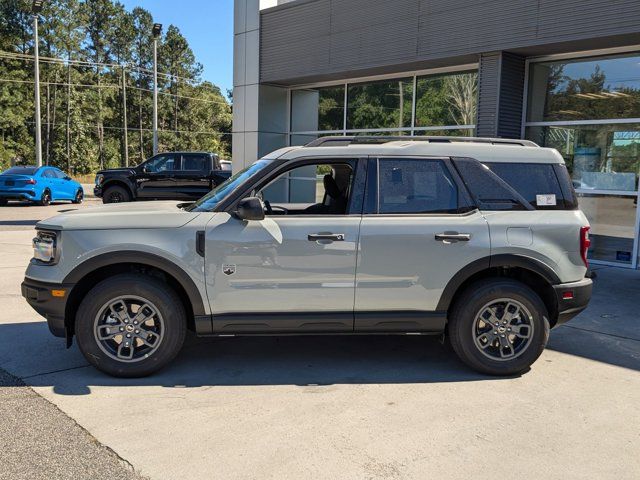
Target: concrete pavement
(351, 407)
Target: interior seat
(334, 202)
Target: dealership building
(563, 73)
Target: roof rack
(341, 141)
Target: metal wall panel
(313, 40)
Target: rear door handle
(452, 237)
(335, 237)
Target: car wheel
(45, 198)
(116, 194)
(130, 325)
(499, 327)
(79, 197)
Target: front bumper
(97, 191)
(39, 295)
(572, 298)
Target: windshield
(211, 199)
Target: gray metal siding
(310, 40)
(488, 86)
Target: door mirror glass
(67, 177)
(250, 208)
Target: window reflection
(384, 104)
(317, 109)
(585, 89)
(599, 157)
(446, 99)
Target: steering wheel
(270, 208)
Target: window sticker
(546, 200)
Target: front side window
(415, 186)
(316, 189)
(161, 163)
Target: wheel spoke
(144, 314)
(521, 331)
(126, 349)
(511, 311)
(505, 344)
(108, 332)
(491, 318)
(147, 338)
(119, 311)
(488, 337)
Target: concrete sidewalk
(351, 407)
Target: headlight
(99, 179)
(44, 246)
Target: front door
(156, 177)
(294, 270)
(419, 233)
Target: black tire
(79, 197)
(149, 289)
(469, 345)
(116, 194)
(45, 198)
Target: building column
(260, 112)
(500, 95)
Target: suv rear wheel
(499, 326)
(130, 325)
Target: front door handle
(334, 237)
(452, 237)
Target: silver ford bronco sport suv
(480, 240)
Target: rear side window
(194, 162)
(48, 173)
(415, 186)
(536, 182)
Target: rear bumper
(572, 298)
(18, 194)
(39, 296)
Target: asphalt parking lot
(340, 407)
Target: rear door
(66, 187)
(418, 231)
(192, 180)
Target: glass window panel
(450, 99)
(612, 219)
(384, 104)
(599, 157)
(317, 109)
(597, 88)
(415, 186)
(458, 132)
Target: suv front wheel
(499, 326)
(130, 325)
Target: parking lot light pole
(36, 9)
(157, 30)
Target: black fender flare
(502, 260)
(143, 258)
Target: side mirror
(145, 169)
(67, 177)
(250, 208)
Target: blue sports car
(38, 184)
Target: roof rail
(340, 141)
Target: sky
(208, 27)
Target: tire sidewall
(149, 288)
(45, 198)
(106, 198)
(79, 197)
(465, 311)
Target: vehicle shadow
(28, 350)
(42, 360)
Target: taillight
(585, 243)
(31, 181)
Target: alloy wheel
(129, 328)
(503, 329)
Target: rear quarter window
(538, 183)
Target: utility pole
(36, 9)
(157, 30)
(124, 117)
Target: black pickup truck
(170, 175)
